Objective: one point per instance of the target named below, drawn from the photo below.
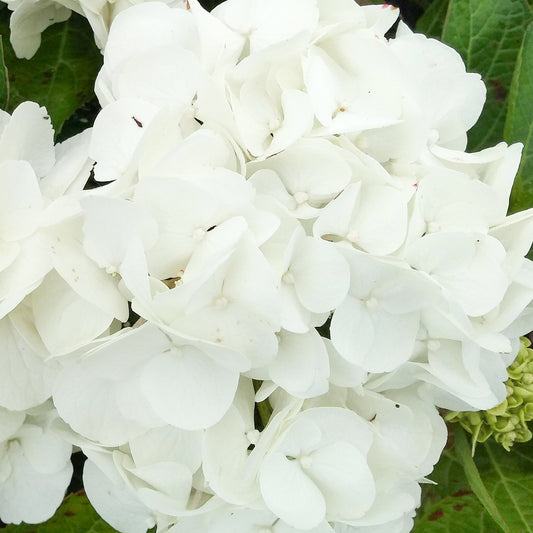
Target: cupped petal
(47, 453)
(301, 366)
(187, 389)
(342, 473)
(26, 379)
(29, 136)
(29, 20)
(321, 275)
(290, 494)
(71, 321)
(116, 502)
(21, 202)
(117, 131)
(28, 495)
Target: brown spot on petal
(138, 122)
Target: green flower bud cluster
(507, 422)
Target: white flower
(377, 323)
(261, 22)
(35, 466)
(306, 176)
(317, 469)
(301, 366)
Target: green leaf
(431, 23)
(448, 478)
(508, 478)
(461, 512)
(451, 506)
(488, 34)
(75, 515)
(464, 453)
(519, 124)
(61, 74)
(503, 480)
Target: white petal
(21, 201)
(68, 322)
(301, 366)
(26, 380)
(29, 20)
(28, 495)
(321, 273)
(352, 330)
(117, 131)
(117, 503)
(345, 480)
(47, 453)
(290, 494)
(29, 136)
(188, 389)
(72, 167)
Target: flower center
(433, 227)
(288, 278)
(274, 124)
(198, 234)
(352, 236)
(306, 461)
(433, 345)
(221, 302)
(300, 197)
(371, 303)
(253, 436)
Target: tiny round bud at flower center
(433, 345)
(371, 303)
(433, 136)
(300, 197)
(288, 278)
(352, 236)
(252, 436)
(274, 124)
(433, 227)
(306, 461)
(221, 302)
(198, 234)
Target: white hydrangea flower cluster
(313, 261)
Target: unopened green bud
(506, 422)
(527, 378)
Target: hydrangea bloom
(295, 243)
